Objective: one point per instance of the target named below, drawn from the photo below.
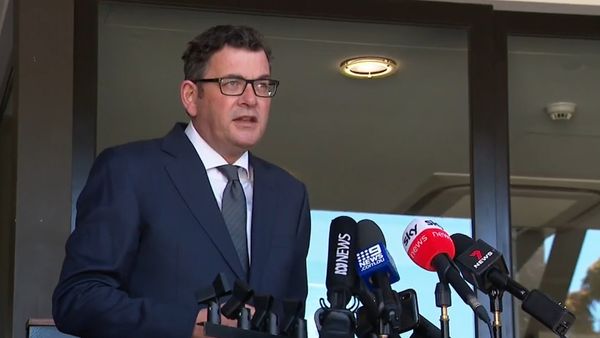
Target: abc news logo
(370, 257)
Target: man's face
(232, 124)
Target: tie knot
(230, 171)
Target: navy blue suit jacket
(149, 234)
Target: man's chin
(247, 141)
(246, 146)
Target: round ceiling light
(368, 67)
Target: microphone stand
(235, 308)
(264, 319)
(496, 307)
(336, 323)
(384, 323)
(443, 301)
(293, 323)
(383, 329)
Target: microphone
(485, 268)
(425, 329)
(293, 323)
(377, 269)
(369, 301)
(430, 247)
(264, 319)
(336, 321)
(235, 307)
(341, 274)
(211, 295)
(364, 325)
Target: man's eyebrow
(238, 76)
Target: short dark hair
(203, 46)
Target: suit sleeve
(92, 298)
(299, 284)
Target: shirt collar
(208, 155)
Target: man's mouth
(249, 119)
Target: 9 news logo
(370, 257)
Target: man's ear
(189, 92)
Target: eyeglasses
(235, 86)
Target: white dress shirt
(218, 181)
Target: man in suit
(150, 231)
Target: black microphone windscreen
(341, 259)
(479, 263)
(369, 234)
(462, 243)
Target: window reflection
(555, 182)
(584, 293)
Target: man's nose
(248, 96)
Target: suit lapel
(188, 174)
(264, 215)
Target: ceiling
(586, 7)
(395, 145)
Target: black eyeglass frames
(235, 86)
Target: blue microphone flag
(376, 259)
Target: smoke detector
(561, 110)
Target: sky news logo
(370, 257)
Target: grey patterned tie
(233, 209)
